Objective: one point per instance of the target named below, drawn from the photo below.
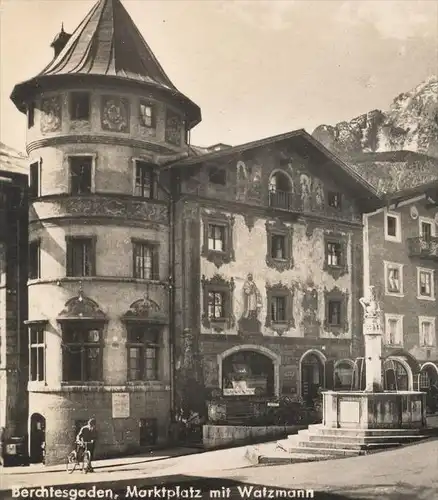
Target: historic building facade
(401, 262)
(13, 296)
(101, 119)
(269, 266)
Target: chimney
(60, 41)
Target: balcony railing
(290, 202)
(426, 248)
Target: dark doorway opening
(37, 438)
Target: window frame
(83, 345)
(388, 265)
(36, 243)
(93, 157)
(274, 291)
(214, 170)
(278, 228)
(337, 295)
(342, 269)
(426, 220)
(154, 246)
(400, 332)
(216, 256)
(143, 347)
(37, 346)
(35, 191)
(398, 236)
(431, 273)
(332, 195)
(153, 107)
(432, 321)
(68, 254)
(153, 184)
(72, 108)
(217, 284)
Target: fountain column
(372, 331)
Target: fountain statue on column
(372, 331)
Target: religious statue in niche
(305, 185)
(50, 114)
(310, 322)
(115, 116)
(252, 305)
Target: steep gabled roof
(306, 145)
(108, 43)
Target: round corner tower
(102, 117)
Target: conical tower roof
(107, 44)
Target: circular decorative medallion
(115, 115)
(414, 213)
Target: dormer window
(80, 106)
(147, 114)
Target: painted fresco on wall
(249, 182)
(173, 128)
(306, 195)
(50, 114)
(310, 323)
(115, 114)
(318, 194)
(249, 322)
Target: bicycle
(76, 457)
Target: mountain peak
(410, 123)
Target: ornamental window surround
(279, 315)
(147, 114)
(279, 238)
(217, 246)
(425, 284)
(217, 303)
(336, 311)
(393, 329)
(393, 279)
(335, 260)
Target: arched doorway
(312, 375)
(248, 373)
(397, 375)
(37, 438)
(343, 375)
(428, 383)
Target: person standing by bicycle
(87, 434)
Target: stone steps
(273, 455)
(323, 431)
(363, 440)
(320, 450)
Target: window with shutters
(80, 256)
(393, 278)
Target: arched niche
(343, 375)
(257, 368)
(312, 374)
(397, 374)
(280, 190)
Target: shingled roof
(107, 43)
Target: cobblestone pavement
(405, 473)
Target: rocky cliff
(410, 124)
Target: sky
(256, 68)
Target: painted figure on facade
(305, 184)
(318, 191)
(255, 183)
(242, 181)
(252, 305)
(50, 115)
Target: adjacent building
(13, 292)
(401, 261)
(101, 119)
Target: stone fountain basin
(374, 410)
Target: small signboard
(121, 404)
